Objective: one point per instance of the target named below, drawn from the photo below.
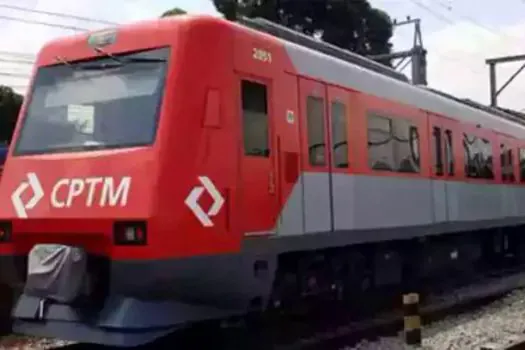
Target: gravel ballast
(12, 342)
(495, 323)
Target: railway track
(462, 301)
(497, 323)
(440, 314)
(516, 342)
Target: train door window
(316, 131)
(478, 157)
(487, 162)
(339, 135)
(503, 161)
(507, 169)
(449, 152)
(255, 119)
(522, 164)
(438, 155)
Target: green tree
(174, 12)
(10, 103)
(350, 24)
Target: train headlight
(5, 231)
(130, 233)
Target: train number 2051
(262, 55)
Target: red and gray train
(187, 169)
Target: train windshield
(103, 103)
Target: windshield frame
(162, 53)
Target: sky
(458, 34)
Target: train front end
(81, 223)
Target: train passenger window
(316, 134)
(255, 119)
(339, 135)
(438, 155)
(522, 164)
(507, 169)
(380, 149)
(393, 145)
(449, 152)
(478, 157)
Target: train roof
(291, 35)
(376, 79)
(334, 65)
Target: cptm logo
(99, 191)
(21, 208)
(194, 196)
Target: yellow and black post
(412, 319)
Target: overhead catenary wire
(48, 24)
(16, 87)
(16, 61)
(472, 20)
(432, 12)
(13, 59)
(462, 16)
(496, 33)
(14, 75)
(58, 14)
(445, 19)
(22, 55)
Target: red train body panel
(245, 147)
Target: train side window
(316, 132)
(438, 155)
(522, 164)
(380, 143)
(449, 152)
(478, 157)
(406, 146)
(255, 119)
(393, 145)
(339, 135)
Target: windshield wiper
(62, 60)
(107, 54)
(119, 62)
(123, 61)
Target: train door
(338, 108)
(507, 159)
(316, 162)
(507, 155)
(259, 203)
(443, 164)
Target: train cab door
(316, 157)
(259, 202)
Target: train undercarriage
(366, 277)
(327, 286)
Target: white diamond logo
(20, 207)
(194, 196)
